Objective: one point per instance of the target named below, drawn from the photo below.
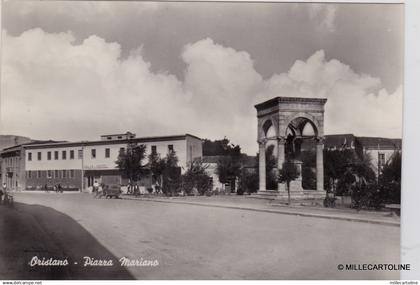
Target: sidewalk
(243, 203)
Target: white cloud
(357, 103)
(54, 88)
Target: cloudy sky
(76, 70)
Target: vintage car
(111, 191)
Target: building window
(49, 174)
(122, 149)
(56, 155)
(64, 154)
(107, 153)
(63, 173)
(153, 149)
(29, 174)
(93, 153)
(39, 155)
(71, 173)
(39, 174)
(170, 147)
(72, 154)
(49, 155)
(80, 154)
(56, 174)
(109, 138)
(29, 156)
(119, 137)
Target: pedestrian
(59, 188)
(55, 188)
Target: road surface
(187, 241)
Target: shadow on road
(27, 231)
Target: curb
(296, 213)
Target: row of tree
(164, 172)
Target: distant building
(76, 165)
(210, 163)
(379, 149)
(12, 164)
(248, 164)
(126, 136)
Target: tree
(336, 163)
(228, 168)
(390, 180)
(287, 174)
(157, 166)
(130, 162)
(163, 169)
(220, 147)
(171, 159)
(196, 178)
(171, 174)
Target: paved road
(193, 242)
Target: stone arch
(312, 119)
(298, 124)
(269, 128)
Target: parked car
(111, 191)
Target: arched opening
(300, 146)
(268, 128)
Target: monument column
(320, 163)
(262, 186)
(281, 141)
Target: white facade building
(66, 163)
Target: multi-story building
(76, 165)
(12, 161)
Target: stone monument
(286, 122)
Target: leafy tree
(287, 174)
(220, 147)
(248, 182)
(171, 159)
(162, 170)
(157, 166)
(130, 162)
(228, 168)
(390, 180)
(336, 163)
(196, 178)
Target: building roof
(350, 140)
(121, 134)
(379, 143)
(277, 100)
(339, 141)
(32, 142)
(118, 141)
